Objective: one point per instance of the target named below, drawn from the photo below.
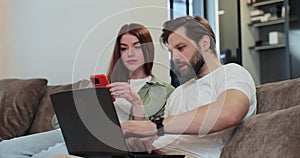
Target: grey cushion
(272, 134)
(42, 120)
(19, 100)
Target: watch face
(156, 118)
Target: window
(180, 8)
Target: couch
(275, 131)
(25, 108)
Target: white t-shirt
(122, 106)
(196, 93)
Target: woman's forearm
(138, 109)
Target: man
(201, 114)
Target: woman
(139, 94)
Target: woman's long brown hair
(117, 72)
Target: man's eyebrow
(177, 45)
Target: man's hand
(134, 128)
(140, 144)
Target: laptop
(90, 124)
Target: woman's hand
(123, 90)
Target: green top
(154, 95)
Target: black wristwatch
(158, 120)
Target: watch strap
(158, 120)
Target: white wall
(3, 36)
(153, 13)
(250, 58)
(67, 40)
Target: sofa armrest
(271, 134)
(278, 95)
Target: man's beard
(194, 66)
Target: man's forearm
(227, 111)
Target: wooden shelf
(269, 23)
(259, 4)
(267, 47)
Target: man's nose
(175, 55)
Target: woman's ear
(204, 43)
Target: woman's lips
(131, 61)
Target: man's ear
(204, 43)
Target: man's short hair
(195, 27)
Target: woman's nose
(130, 52)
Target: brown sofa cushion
(278, 95)
(42, 120)
(272, 134)
(19, 101)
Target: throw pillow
(19, 100)
(42, 121)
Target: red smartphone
(100, 80)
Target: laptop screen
(89, 122)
